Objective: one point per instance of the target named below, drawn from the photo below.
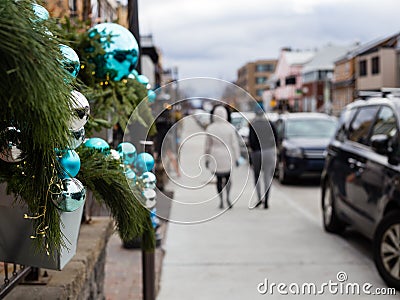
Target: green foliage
(113, 102)
(35, 99)
(104, 176)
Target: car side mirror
(380, 143)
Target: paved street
(227, 257)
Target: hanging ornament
(121, 51)
(143, 80)
(80, 111)
(70, 163)
(11, 151)
(150, 196)
(127, 152)
(115, 154)
(149, 180)
(76, 138)
(40, 12)
(70, 61)
(130, 176)
(98, 144)
(72, 195)
(133, 74)
(155, 221)
(151, 96)
(144, 162)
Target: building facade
(253, 77)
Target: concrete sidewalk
(229, 256)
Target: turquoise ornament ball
(98, 144)
(70, 61)
(144, 162)
(143, 80)
(149, 180)
(70, 164)
(151, 96)
(40, 12)
(127, 152)
(121, 51)
(72, 195)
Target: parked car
(361, 180)
(302, 139)
(240, 120)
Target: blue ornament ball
(98, 144)
(151, 96)
(127, 152)
(133, 74)
(70, 61)
(130, 175)
(40, 12)
(70, 164)
(71, 197)
(149, 180)
(144, 162)
(121, 51)
(143, 80)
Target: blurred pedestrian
(222, 149)
(262, 144)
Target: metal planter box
(16, 246)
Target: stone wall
(83, 277)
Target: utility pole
(148, 256)
(133, 19)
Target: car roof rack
(384, 93)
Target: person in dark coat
(262, 144)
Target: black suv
(301, 141)
(361, 179)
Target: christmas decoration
(149, 180)
(70, 163)
(98, 144)
(121, 51)
(150, 196)
(80, 111)
(76, 138)
(127, 152)
(144, 162)
(70, 60)
(71, 195)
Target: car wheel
(331, 221)
(387, 249)
(282, 176)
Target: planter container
(16, 246)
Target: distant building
(253, 77)
(287, 91)
(369, 67)
(317, 77)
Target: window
(290, 80)
(360, 127)
(310, 128)
(265, 68)
(345, 119)
(375, 65)
(278, 83)
(261, 80)
(259, 92)
(363, 68)
(385, 123)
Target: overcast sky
(213, 38)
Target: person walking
(262, 144)
(222, 150)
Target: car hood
(308, 143)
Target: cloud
(214, 38)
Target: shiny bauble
(70, 61)
(155, 221)
(114, 154)
(80, 111)
(11, 151)
(150, 196)
(72, 195)
(130, 176)
(70, 163)
(143, 80)
(127, 152)
(41, 14)
(151, 96)
(76, 138)
(98, 144)
(121, 51)
(149, 180)
(133, 74)
(144, 162)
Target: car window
(361, 125)
(385, 123)
(310, 128)
(345, 119)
